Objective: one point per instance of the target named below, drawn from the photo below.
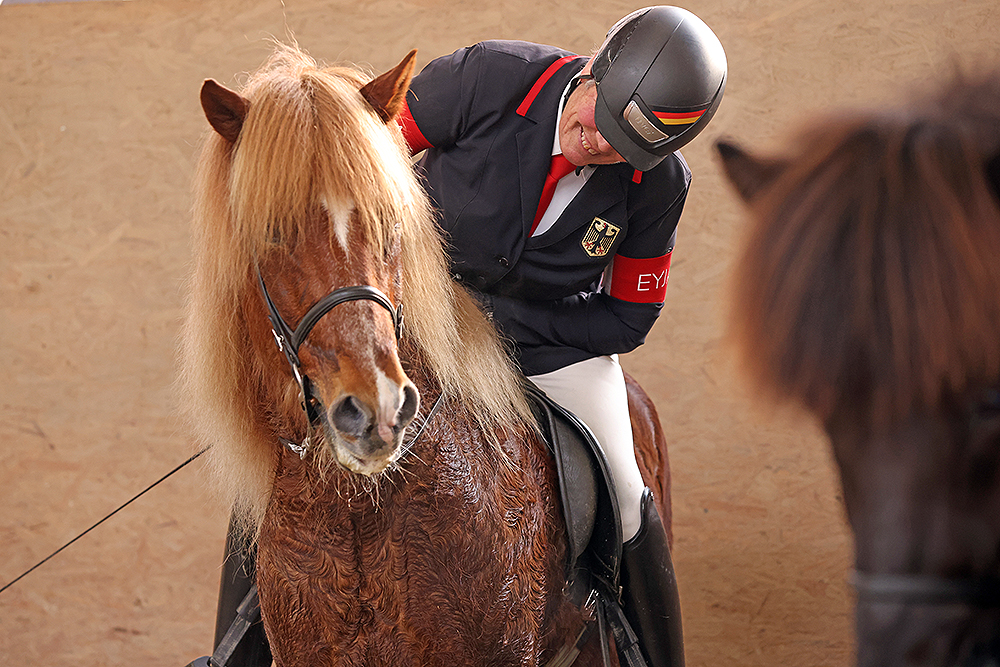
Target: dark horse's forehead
(869, 281)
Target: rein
(290, 340)
(916, 589)
(106, 517)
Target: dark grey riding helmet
(660, 76)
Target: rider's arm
(597, 323)
(616, 319)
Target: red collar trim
(540, 83)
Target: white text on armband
(640, 280)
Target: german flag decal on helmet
(679, 118)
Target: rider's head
(660, 75)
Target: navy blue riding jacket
(487, 115)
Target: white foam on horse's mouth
(369, 467)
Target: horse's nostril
(411, 401)
(349, 417)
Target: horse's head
(868, 291)
(923, 501)
(318, 190)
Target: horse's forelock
(870, 277)
(309, 138)
(310, 142)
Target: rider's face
(579, 139)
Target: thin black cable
(135, 497)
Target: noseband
(916, 589)
(289, 340)
(979, 593)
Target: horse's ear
(387, 92)
(224, 109)
(749, 174)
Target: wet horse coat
(375, 547)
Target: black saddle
(593, 527)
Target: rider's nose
(602, 144)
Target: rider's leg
(594, 390)
(649, 589)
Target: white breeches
(594, 390)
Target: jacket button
(503, 261)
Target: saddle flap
(586, 489)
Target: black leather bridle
(290, 340)
(919, 589)
(980, 593)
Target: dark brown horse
(869, 293)
(421, 524)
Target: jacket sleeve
(439, 99)
(595, 322)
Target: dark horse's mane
(871, 278)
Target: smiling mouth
(586, 144)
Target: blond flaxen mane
(310, 139)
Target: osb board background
(99, 125)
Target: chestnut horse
(868, 292)
(409, 515)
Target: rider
(579, 276)
(576, 280)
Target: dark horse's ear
(749, 174)
(387, 92)
(224, 109)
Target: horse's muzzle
(366, 439)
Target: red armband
(640, 280)
(414, 137)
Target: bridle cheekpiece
(290, 340)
